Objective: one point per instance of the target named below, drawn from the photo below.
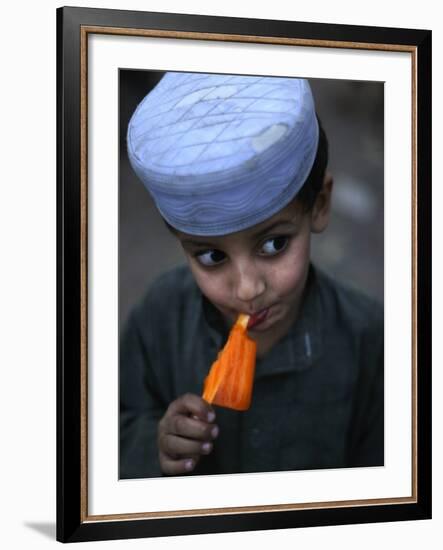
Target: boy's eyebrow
(278, 223)
(206, 244)
(261, 233)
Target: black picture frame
(73, 26)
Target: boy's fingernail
(206, 447)
(211, 416)
(189, 464)
(214, 432)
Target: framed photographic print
(191, 109)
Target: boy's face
(261, 270)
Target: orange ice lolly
(231, 377)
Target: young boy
(237, 168)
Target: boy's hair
(308, 193)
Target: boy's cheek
(289, 281)
(211, 285)
(220, 300)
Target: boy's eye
(210, 257)
(273, 246)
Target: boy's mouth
(258, 318)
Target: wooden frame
(74, 25)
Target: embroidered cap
(221, 153)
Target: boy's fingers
(185, 433)
(193, 405)
(192, 428)
(175, 446)
(177, 467)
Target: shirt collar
(298, 349)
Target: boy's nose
(250, 284)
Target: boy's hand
(185, 432)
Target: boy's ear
(322, 206)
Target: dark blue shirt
(318, 393)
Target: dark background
(352, 247)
